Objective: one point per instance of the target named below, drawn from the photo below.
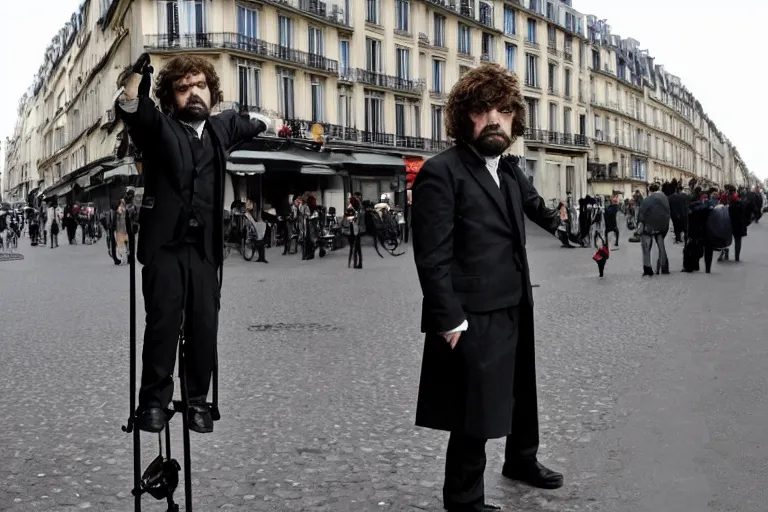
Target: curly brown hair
(176, 69)
(479, 90)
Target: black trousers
(615, 231)
(355, 251)
(679, 226)
(464, 488)
(170, 273)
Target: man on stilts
(181, 241)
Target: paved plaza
(652, 392)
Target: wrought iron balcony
(556, 138)
(239, 42)
(388, 82)
(300, 128)
(318, 9)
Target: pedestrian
(478, 378)
(181, 238)
(602, 254)
(611, 226)
(121, 233)
(54, 218)
(653, 226)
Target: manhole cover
(293, 327)
(10, 256)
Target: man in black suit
(477, 379)
(181, 240)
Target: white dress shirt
(492, 165)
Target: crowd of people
(704, 221)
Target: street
(653, 392)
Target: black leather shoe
(199, 418)
(486, 507)
(151, 419)
(534, 474)
(648, 271)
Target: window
(509, 21)
(532, 109)
(249, 86)
(372, 11)
(553, 117)
(552, 77)
(510, 52)
(568, 83)
(179, 18)
(551, 36)
(344, 57)
(285, 92)
(531, 70)
(402, 12)
(247, 22)
(487, 47)
(285, 31)
(317, 86)
(374, 113)
(417, 121)
(439, 28)
(400, 119)
(485, 14)
(531, 30)
(437, 122)
(346, 112)
(438, 75)
(582, 124)
(373, 55)
(567, 121)
(570, 178)
(403, 62)
(598, 128)
(465, 39)
(316, 42)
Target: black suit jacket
(463, 235)
(167, 151)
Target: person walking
(653, 227)
(478, 378)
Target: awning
(295, 156)
(318, 170)
(121, 170)
(246, 169)
(375, 159)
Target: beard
(492, 141)
(194, 110)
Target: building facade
(602, 118)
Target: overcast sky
(715, 48)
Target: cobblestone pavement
(652, 391)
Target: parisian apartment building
(603, 117)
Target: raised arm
(242, 128)
(136, 109)
(432, 223)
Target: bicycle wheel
(249, 250)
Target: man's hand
(452, 338)
(141, 64)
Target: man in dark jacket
(181, 222)
(611, 226)
(478, 379)
(653, 227)
(678, 209)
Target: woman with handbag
(54, 220)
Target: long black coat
(463, 239)
(168, 161)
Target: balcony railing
(532, 84)
(389, 82)
(467, 11)
(239, 42)
(531, 44)
(556, 138)
(318, 9)
(300, 128)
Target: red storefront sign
(412, 167)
